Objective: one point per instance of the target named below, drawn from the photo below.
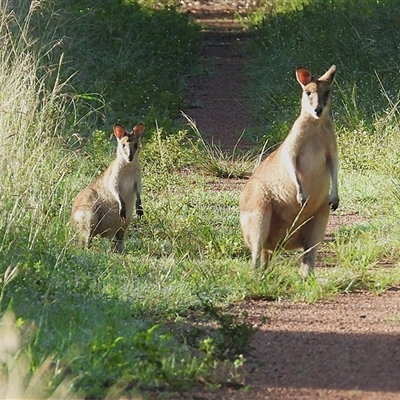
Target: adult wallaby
(105, 206)
(286, 201)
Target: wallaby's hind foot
(118, 244)
(307, 263)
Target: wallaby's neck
(121, 165)
(122, 159)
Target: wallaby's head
(128, 143)
(316, 92)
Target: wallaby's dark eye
(308, 93)
(123, 146)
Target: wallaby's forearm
(289, 161)
(139, 207)
(334, 196)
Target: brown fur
(105, 206)
(286, 201)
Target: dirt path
(348, 348)
(215, 97)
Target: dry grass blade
(15, 378)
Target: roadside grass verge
(99, 314)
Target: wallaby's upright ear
(138, 130)
(303, 76)
(119, 131)
(329, 75)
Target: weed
(230, 340)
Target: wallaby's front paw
(122, 213)
(334, 202)
(301, 198)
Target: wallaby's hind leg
(265, 257)
(118, 244)
(84, 222)
(308, 262)
(138, 203)
(86, 240)
(314, 232)
(256, 226)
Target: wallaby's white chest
(127, 186)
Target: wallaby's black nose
(318, 111)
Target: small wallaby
(286, 200)
(105, 206)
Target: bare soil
(215, 97)
(345, 348)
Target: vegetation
(119, 322)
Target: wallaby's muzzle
(318, 111)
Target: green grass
(356, 37)
(121, 323)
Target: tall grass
(32, 124)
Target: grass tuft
(210, 158)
